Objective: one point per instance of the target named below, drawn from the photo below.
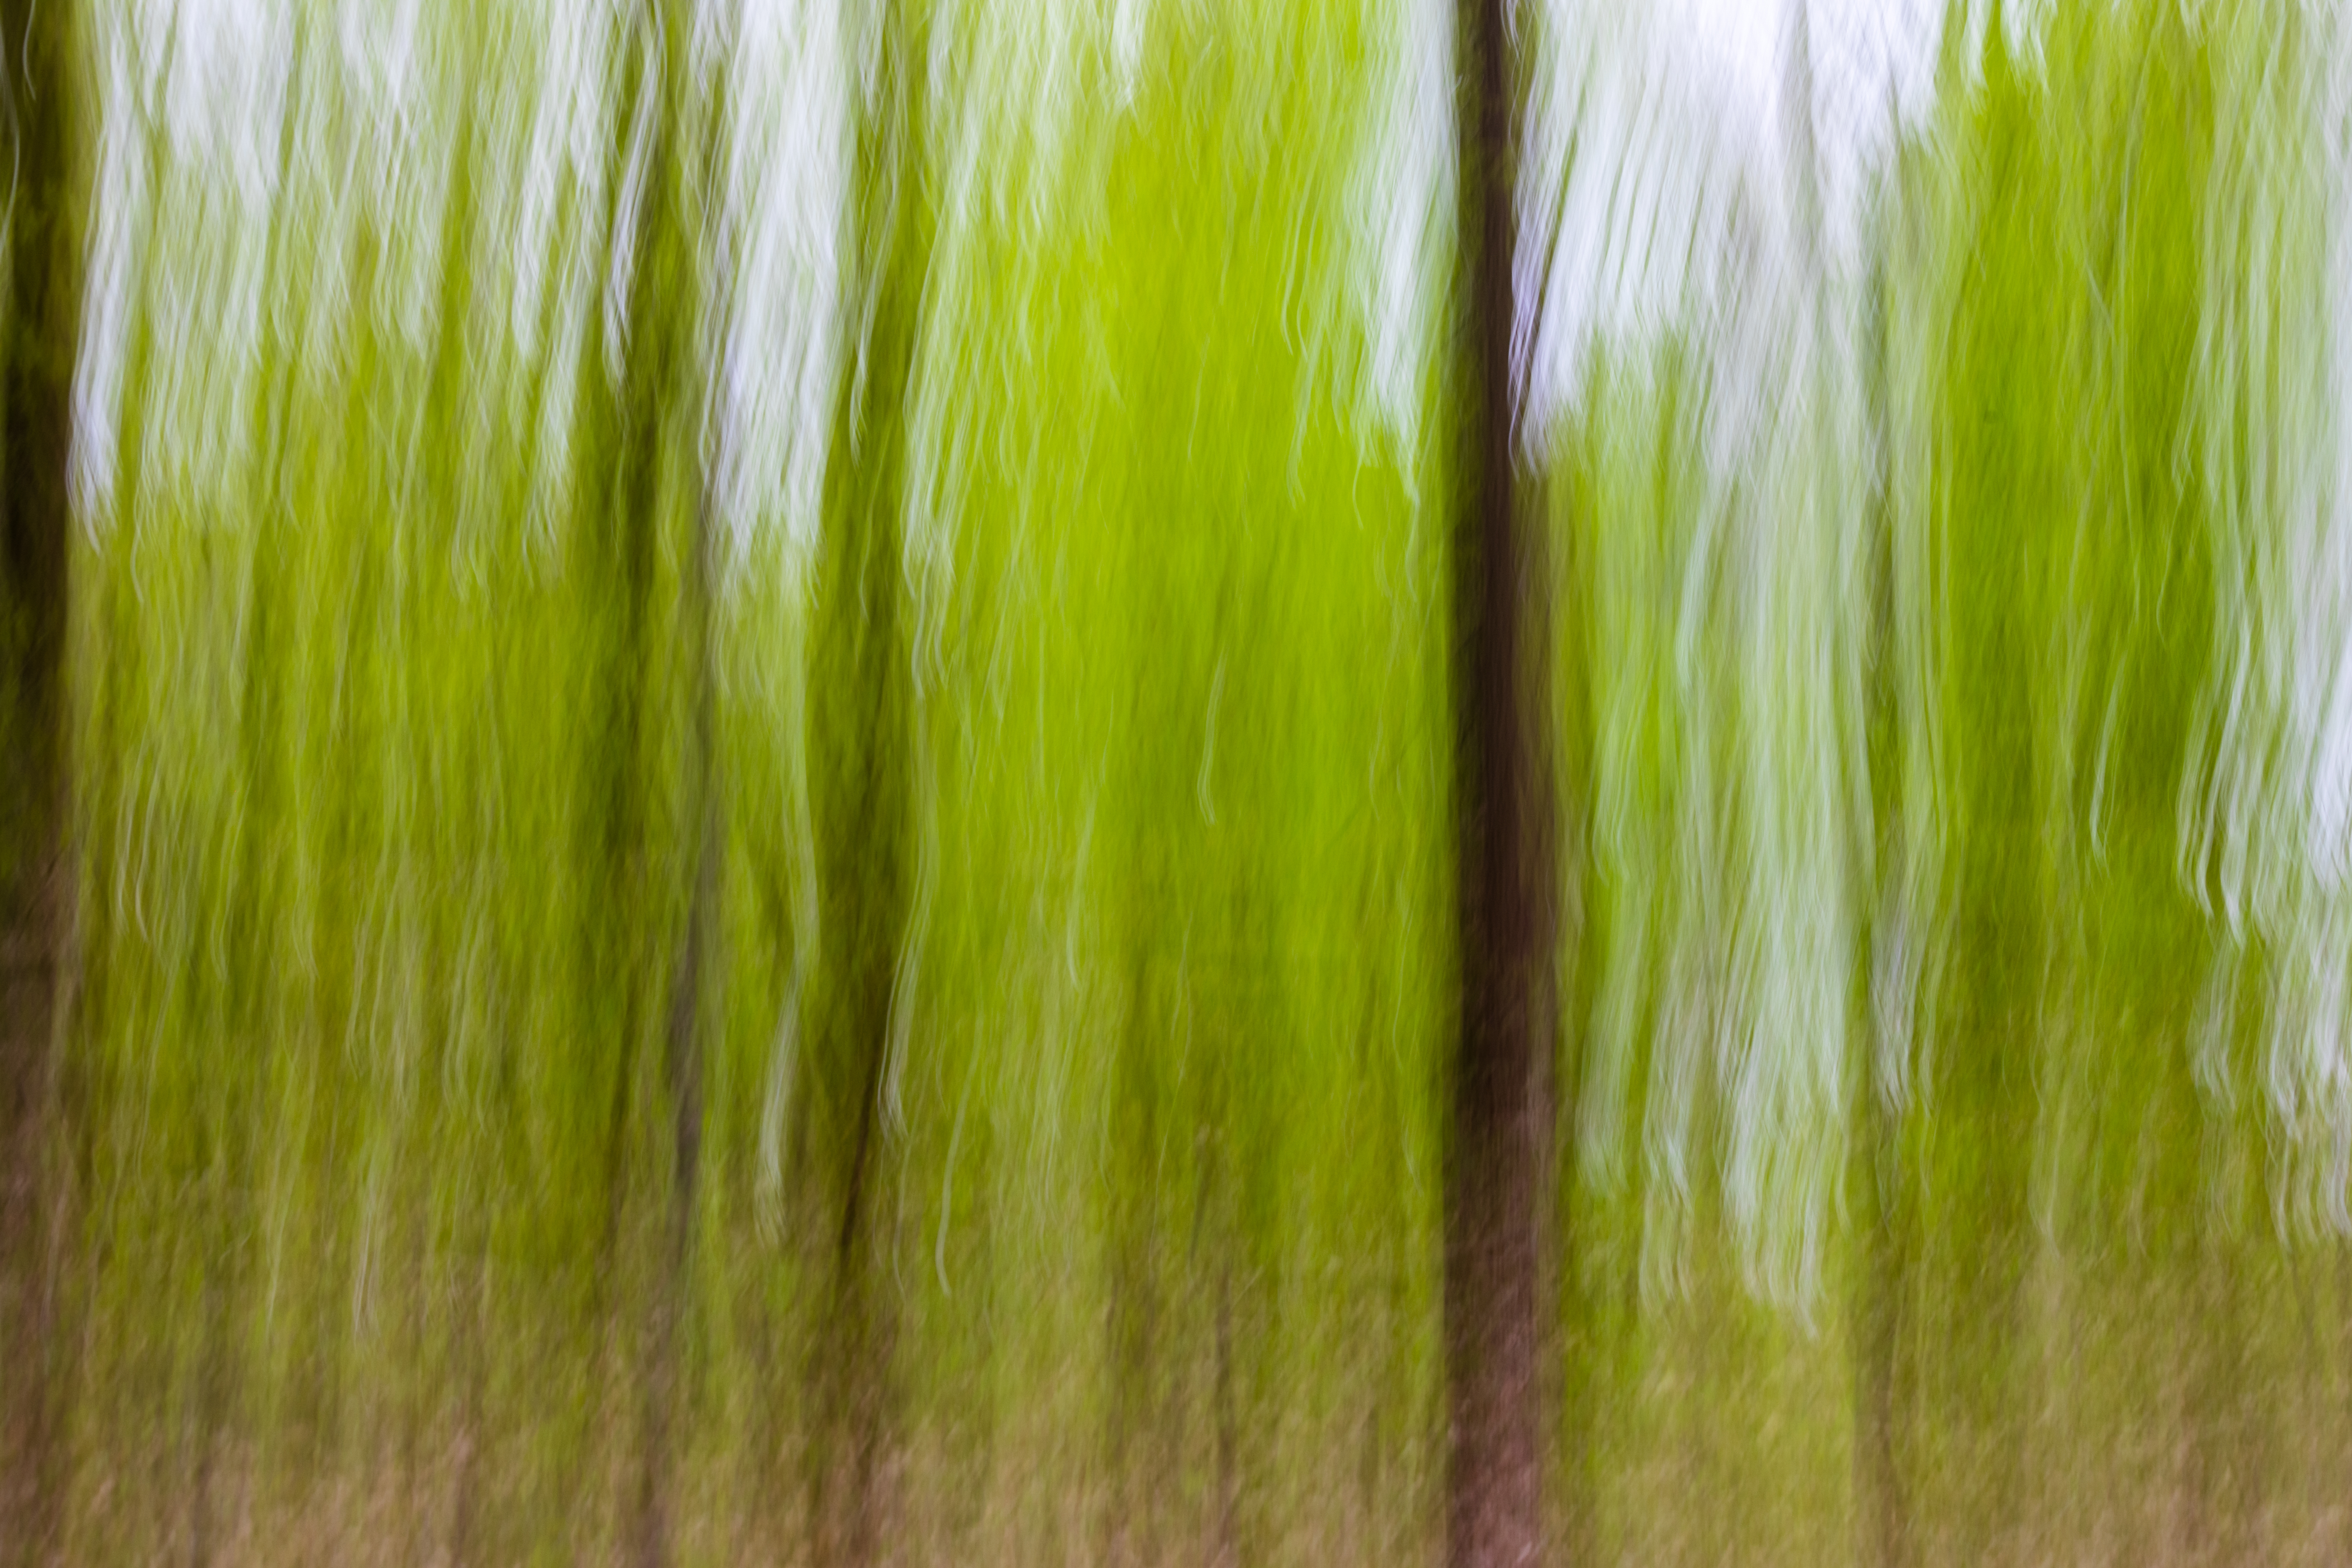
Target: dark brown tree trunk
(1506, 872)
(864, 898)
(37, 859)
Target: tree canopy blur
(860, 781)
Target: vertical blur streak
(41, 96)
(865, 722)
(825, 781)
(660, 392)
(1507, 848)
(1692, 251)
(2263, 833)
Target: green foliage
(1933, 667)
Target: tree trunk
(36, 860)
(863, 702)
(1885, 1217)
(1505, 871)
(655, 384)
(689, 1010)
(634, 420)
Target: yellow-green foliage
(1952, 650)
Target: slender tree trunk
(654, 383)
(37, 859)
(1507, 870)
(635, 420)
(689, 1010)
(864, 710)
(690, 1020)
(1885, 1210)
